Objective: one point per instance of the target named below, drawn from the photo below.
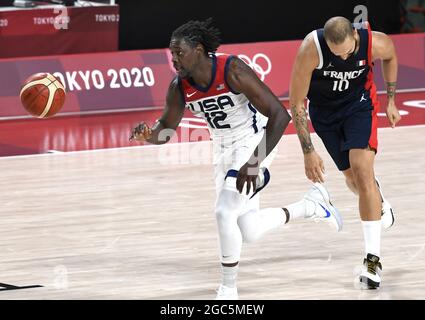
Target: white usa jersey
(228, 114)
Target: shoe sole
(368, 284)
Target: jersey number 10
(341, 85)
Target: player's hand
(247, 174)
(141, 132)
(314, 167)
(392, 114)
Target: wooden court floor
(138, 223)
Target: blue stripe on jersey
(232, 173)
(254, 117)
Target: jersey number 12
(214, 117)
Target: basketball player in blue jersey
(246, 122)
(333, 68)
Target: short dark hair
(199, 32)
(337, 29)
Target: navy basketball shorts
(352, 126)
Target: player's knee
(228, 205)
(357, 167)
(363, 180)
(224, 215)
(220, 214)
(351, 184)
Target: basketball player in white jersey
(334, 69)
(246, 121)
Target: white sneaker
(370, 277)
(324, 210)
(387, 213)
(227, 293)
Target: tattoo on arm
(391, 89)
(301, 124)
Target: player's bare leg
(361, 162)
(350, 182)
(387, 212)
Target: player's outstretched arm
(242, 79)
(306, 61)
(165, 127)
(383, 48)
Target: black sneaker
(370, 277)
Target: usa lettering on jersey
(227, 113)
(213, 110)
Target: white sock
(301, 209)
(372, 236)
(230, 275)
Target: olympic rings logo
(263, 68)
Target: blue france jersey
(336, 82)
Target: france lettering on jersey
(227, 113)
(337, 82)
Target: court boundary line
(61, 153)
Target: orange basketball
(42, 95)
